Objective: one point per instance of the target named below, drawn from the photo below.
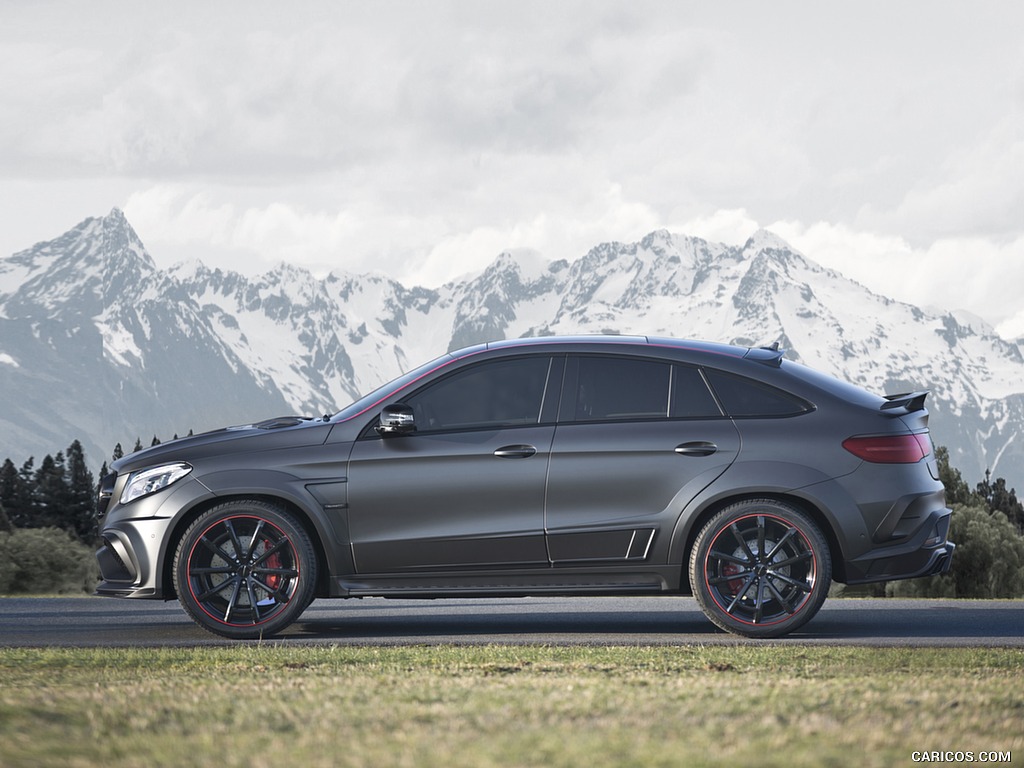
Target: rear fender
(820, 495)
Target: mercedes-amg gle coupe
(606, 465)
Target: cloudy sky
(882, 139)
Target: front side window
(501, 393)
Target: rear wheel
(245, 569)
(760, 568)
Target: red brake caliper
(731, 569)
(274, 561)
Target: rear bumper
(928, 553)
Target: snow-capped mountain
(98, 344)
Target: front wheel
(760, 568)
(245, 570)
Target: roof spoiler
(905, 403)
(770, 356)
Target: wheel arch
(695, 523)
(302, 516)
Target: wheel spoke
(760, 538)
(742, 542)
(799, 558)
(785, 537)
(233, 600)
(759, 602)
(725, 556)
(252, 601)
(739, 596)
(255, 538)
(240, 553)
(216, 589)
(278, 545)
(277, 594)
(778, 596)
(217, 550)
(213, 569)
(801, 585)
(726, 579)
(290, 572)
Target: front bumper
(129, 558)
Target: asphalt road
(85, 622)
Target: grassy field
(509, 706)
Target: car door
(637, 439)
(466, 489)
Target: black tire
(245, 569)
(760, 568)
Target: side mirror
(396, 419)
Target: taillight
(889, 449)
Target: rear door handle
(515, 452)
(696, 448)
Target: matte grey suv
(553, 466)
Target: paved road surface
(556, 621)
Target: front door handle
(696, 448)
(515, 452)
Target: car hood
(272, 434)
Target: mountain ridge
(98, 343)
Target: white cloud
(975, 274)
(731, 227)
(1012, 327)
(423, 139)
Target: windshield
(366, 402)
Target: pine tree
(156, 441)
(5, 523)
(138, 445)
(957, 490)
(15, 496)
(17, 492)
(49, 493)
(79, 516)
(118, 452)
(999, 499)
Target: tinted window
(495, 394)
(612, 388)
(690, 396)
(745, 397)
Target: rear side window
(612, 388)
(629, 389)
(746, 397)
(690, 396)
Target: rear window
(745, 397)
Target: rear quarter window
(743, 397)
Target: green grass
(509, 706)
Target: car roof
(771, 356)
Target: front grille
(106, 493)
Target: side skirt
(549, 582)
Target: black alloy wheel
(760, 568)
(245, 569)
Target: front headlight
(147, 481)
